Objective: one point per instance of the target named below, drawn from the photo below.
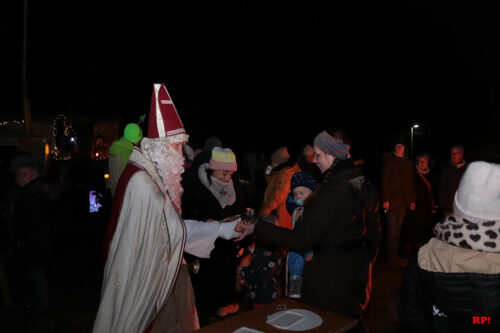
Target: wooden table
(256, 319)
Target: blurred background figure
(31, 234)
(398, 196)
(450, 178)
(418, 227)
(119, 154)
(188, 155)
(306, 163)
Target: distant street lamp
(411, 139)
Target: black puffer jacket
(449, 302)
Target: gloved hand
(226, 229)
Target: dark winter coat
(419, 228)
(445, 287)
(448, 185)
(397, 184)
(215, 282)
(337, 277)
(32, 225)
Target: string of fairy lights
(11, 122)
(64, 140)
(56, 152)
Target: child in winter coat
(302, 185)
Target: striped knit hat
(329, 145)
(223, 159)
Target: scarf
(458, 165)
(423, 171)
(458, 231)
(225, 194)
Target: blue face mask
(299, 202)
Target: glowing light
(13, 122)
(94, 204)
(106, 176)
(57, 153)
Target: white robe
(145, 253)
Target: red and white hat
(164, 121)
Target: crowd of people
(191, 241)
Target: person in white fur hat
(453, 282)
(146, 287)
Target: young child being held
(302, 186)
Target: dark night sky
(288, 70)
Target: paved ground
(75, 287)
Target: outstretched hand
(245, 229)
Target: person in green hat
(120, 152)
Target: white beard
(170, 166)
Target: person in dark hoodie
(452, 284)
(340, 224)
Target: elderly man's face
(177, 146)
(24, 176)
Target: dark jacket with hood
(344, 248)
